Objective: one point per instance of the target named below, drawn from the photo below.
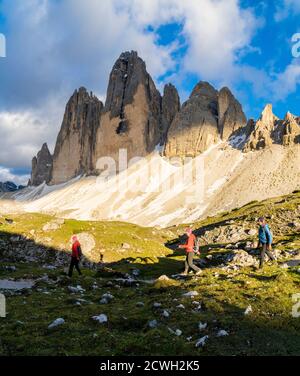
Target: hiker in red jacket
(75, 256)
(189, 247)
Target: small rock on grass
(202, 326)
(153, 324)
(56, 323)
(102, 318)
(177, 332)
(222, 333)
(190, 294)
(248, 310)
(201, 342)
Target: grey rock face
(170, 107)
(132, 112)
(195, 127)
(41, 167)
(230, 114)
(76, 140)
(207, 117)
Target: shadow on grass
(248, 335)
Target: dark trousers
(264, 251)
(189, 263)
(74, 262)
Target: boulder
(240, 258)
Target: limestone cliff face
(170, 108)
(195, 127)
(41, 167)
(132, 113)
(230, 114)
(291, 130)
(269, 129)
(207, 117)
(75, 145)
(261, 136)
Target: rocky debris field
(138, 301)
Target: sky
(56, 46)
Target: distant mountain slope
(231, 179)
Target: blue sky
(55, 46)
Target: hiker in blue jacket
(265, 241)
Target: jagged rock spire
(41, 167)
(76, 140)
(230, 114)
(132, 113)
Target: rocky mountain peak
(204, 89)
(76, 140)
(269, 129)
(230, 114)
(132, 114)
(267, 117)
(289, 117)
(204, 119)
(41, 166)
(170, 107)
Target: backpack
(264, 230)
(197, 245)
(79, 251)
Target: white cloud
(57, 46)
(285, 8)
(287, 81)
(23, 132)
(7, 175)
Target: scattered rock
(241, 258)
(53, 225)
(102, 318)
(222, 333)
(191, 294)
(164, 282)
(77, 289)
(57, 322)
(126, 246)
(153, 324)
(248, 310)
(202, 326)
(202, 341)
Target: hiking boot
(199, 272)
